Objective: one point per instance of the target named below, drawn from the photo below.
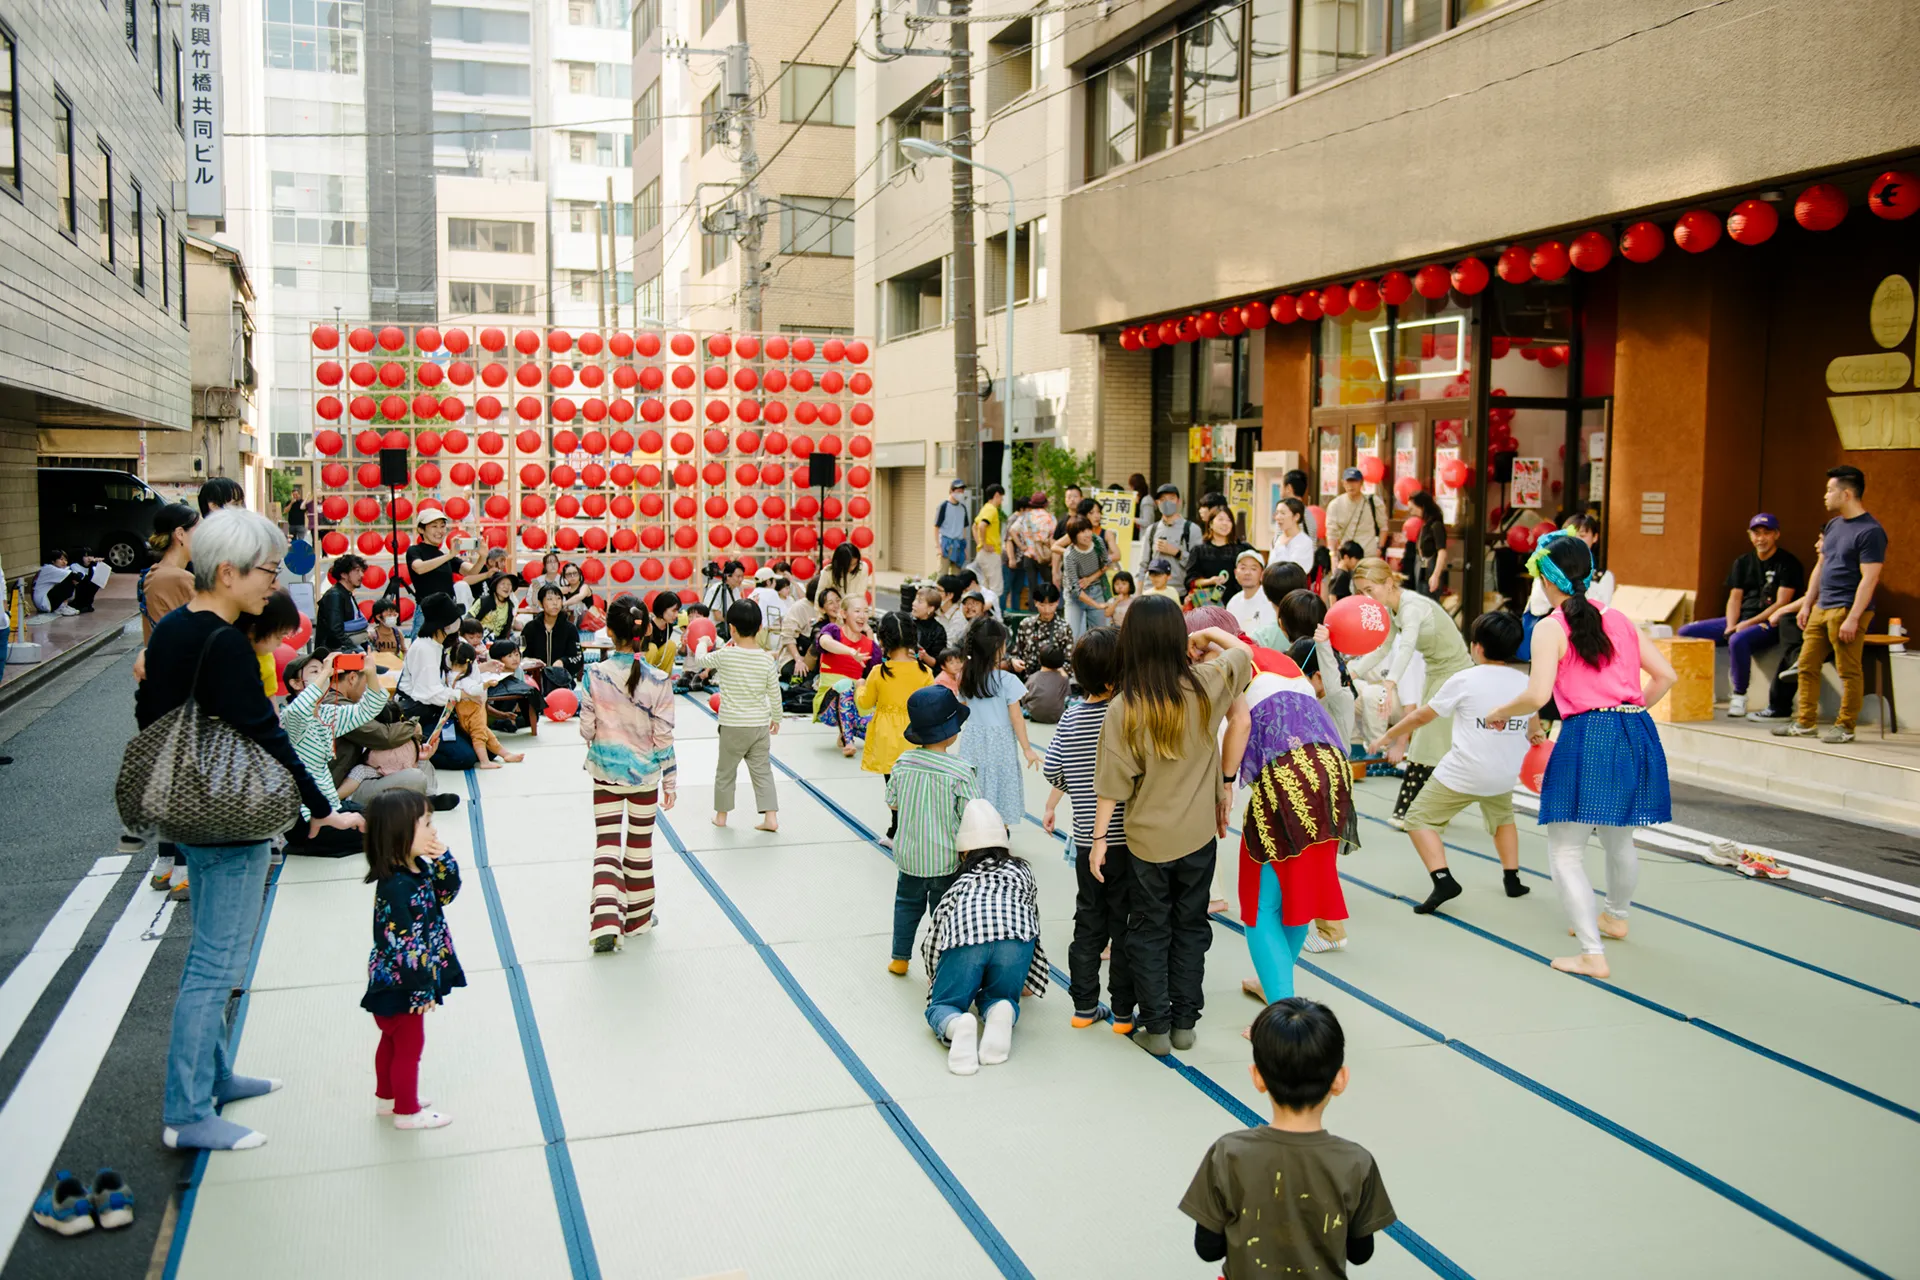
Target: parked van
(109, 511)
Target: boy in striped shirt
(749, 679)
(929, 789)
(328, 695)
(1100, 908)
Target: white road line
(31, 976)
(1802, 860)
(35, 1121)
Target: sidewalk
(66, 640)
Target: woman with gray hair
(197, 652)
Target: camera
(713, 570)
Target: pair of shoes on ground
(970, 1046)
(1122, 1024)
(1162, 1043)
(70, 1208)
(425, 1118)
(1760, 866)
(1833, 735)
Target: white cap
(1251, 554)
(764, 573)
(980, 827)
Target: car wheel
(123, 552)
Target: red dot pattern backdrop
(568, 460)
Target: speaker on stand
(393, 474)
(820, 468)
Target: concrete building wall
(1625, 106)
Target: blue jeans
(6, 637)
(987, 972)
(1275, 947)
(1740, 647)
(229, 885)
(913, 897)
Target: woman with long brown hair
(1161, 755)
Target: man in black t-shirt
(1759, 584)
(432, 562)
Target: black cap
(1166, 489)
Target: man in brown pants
(1835, 613)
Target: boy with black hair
(929, 632)
(514, 700)
(749, 678)
(1289, 1198)
(1340, 581)
(1100, 906)
(1045, 629)
(1046, 697)
(1482, 764)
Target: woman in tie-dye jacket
(626, 718)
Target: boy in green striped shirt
(929, 788)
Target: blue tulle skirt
(1607, 768)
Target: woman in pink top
(1607, 771)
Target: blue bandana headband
(1541, 565)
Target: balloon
(1533, 765)
(1752, 222)
(698, 630)
(713, 703)
(1358, 624)
(1372, 469)
(561, 704)
(282, 659)
(1410, 529)
(1319, 515)
(1455, 472)
(1404, 488)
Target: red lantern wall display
(1333, 300)
(1642, 242)
(1821, 207)
(1697, 231)
(1364, 294)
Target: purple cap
(1765, 520)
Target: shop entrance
(1406, 443)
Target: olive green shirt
(1170, 803)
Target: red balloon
(1372, 469)
(1454, 472)
(1697, 231)
(1550, 261)
(1821, 207)
(1642, 242)
(1410, 529)
(1590, 251)
(1894, 195)
(1358, 624)
(1752, 222)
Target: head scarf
(1540, 565)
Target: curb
(33, 677)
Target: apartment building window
(315, 35)
(133, 26)
(484, 236)
(63, 162)
(1012, 65)
(714, 250)
(709, 10)
(623, 287)
(9, 113)
(648, 302)
(646, 17)
(1338, 35)
(583, 216)
(166, 277)
(582, 286)
(179, 88)
(646, 206)
(600, 148)
(916, 300)
(920, 118)
(286, 277)
(597, 13)
(477, 298)
(1210, 66)
(816, 95)
(481, 79)
(816, 225)
(646, 113)
(180, 252)
(137, 228)
(482, 132)
(480, 26)
(159, 55)
(1029, 265)
(103, 195)
(713, 122)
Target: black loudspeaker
(819, 469)
(393, 468)
(1503, 468)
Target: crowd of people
(1217, 682)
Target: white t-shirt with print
(1252, 612)
(1485, 759)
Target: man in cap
(950, 524)
(1355, 515)
(432, 561)
(1759, 585)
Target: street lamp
(932, 150)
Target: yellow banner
(1116, 522)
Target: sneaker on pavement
(1723, 853)
(1837, 735)
(1737, 706)
(1765, 714)
(66, 611)
(131, 844)
(162, 880)
(64, 1208)
(1792, 730)
(179, 893)
(1761, 867)
(112, 1200)
(1315, 943)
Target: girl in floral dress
(847, 652)
(412, 966)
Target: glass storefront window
(1336, 36)
(1210, 69)
(1269, 38)
(1216, 358)
(1433, 351)
(1532, 335)
(1349, 363)
(1403, 464)
(1416, 20)
(1156, 121)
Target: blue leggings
(1274, 946)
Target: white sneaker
(423, 1119)
(1723, 853)
(996, 1042)
(963, 1045)
(66, 611)
(1737, 706)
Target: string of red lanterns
(1894, 196)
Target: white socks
(996, 1042)
(963, 1044)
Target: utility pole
(740, 89)
(599, 268)
(966, 351)
(613, 254)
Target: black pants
(1786, 680)
(1168, 936)
(76, 589)
(329, 842)
(1100, 918)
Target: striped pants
(622, 877)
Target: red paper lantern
(532, 506)
(366, 510)
(745, 507)
(772, 473)
(329, 442)
(392, 375)
(495, 506)
(1697, 231)
(329, 373)
(494, 375)
(1470, 276)
(527, 375)
(776, 536)
(621, 475)
(682, 441)
(370, 543)
(565, 442)
(566, 506)
(333, 475)
(776, 442)
(653, 537)
(1515, 264)
(369, 475)
(1752, 222)
(647, 344)
(492, 339)
(648, 474)
(427, 476)
(1642, 242)
(488, 407)
(1550, 261)
(532, 474)
(803, 348)
(801, 380)
(713, 473)
(452, 409)
(431, 375)
(803, 567)
(329, 407)
(526, 342)
(748, 411)
(1894, 195)
(806, 507)
(563, 476)
(326, 337)
(684, 475)
(528, 441)
(686, 536)
(1207, 325)
(746, 473)
(720, 536)
(563, 410)
(680, 410)
(775, 381)
(716, 507)
(625, 540)
(1590, 251)
(334, 543)
(460, 373)
(454, 441)
(393, 408)
(592, 570)
(392, 338)
(716, 411)
(684, 506)
(806, 413)
(681, 344)
(1129, 340)
(834, 538)
(590, 344)
(1363, 294)
(1432, 281)
(1308, 304)
(775, 413)
(594, 475)
(595, 539)
(367, 442)
(461, 473)
(774, 507)
(491, 442)
(651, 505)
(394, 440)
(680, 567)
(1821, 207)
(594, 505)
(566, 539)
(458, 508)
(528, 407)
(362, 407)
(652, 410)
(361, 339)
(426, 406)
(1333, 299)
(858, 477)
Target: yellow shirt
(989, 516)
(1166, 591)
(268, 676)
(886, 696)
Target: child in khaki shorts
(1483, 763)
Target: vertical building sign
(206, 186)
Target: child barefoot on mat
(471, 682)
(984, 946)
(1482, 764)
(412, 966)
(1288, 1198)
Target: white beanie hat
(981, 827)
